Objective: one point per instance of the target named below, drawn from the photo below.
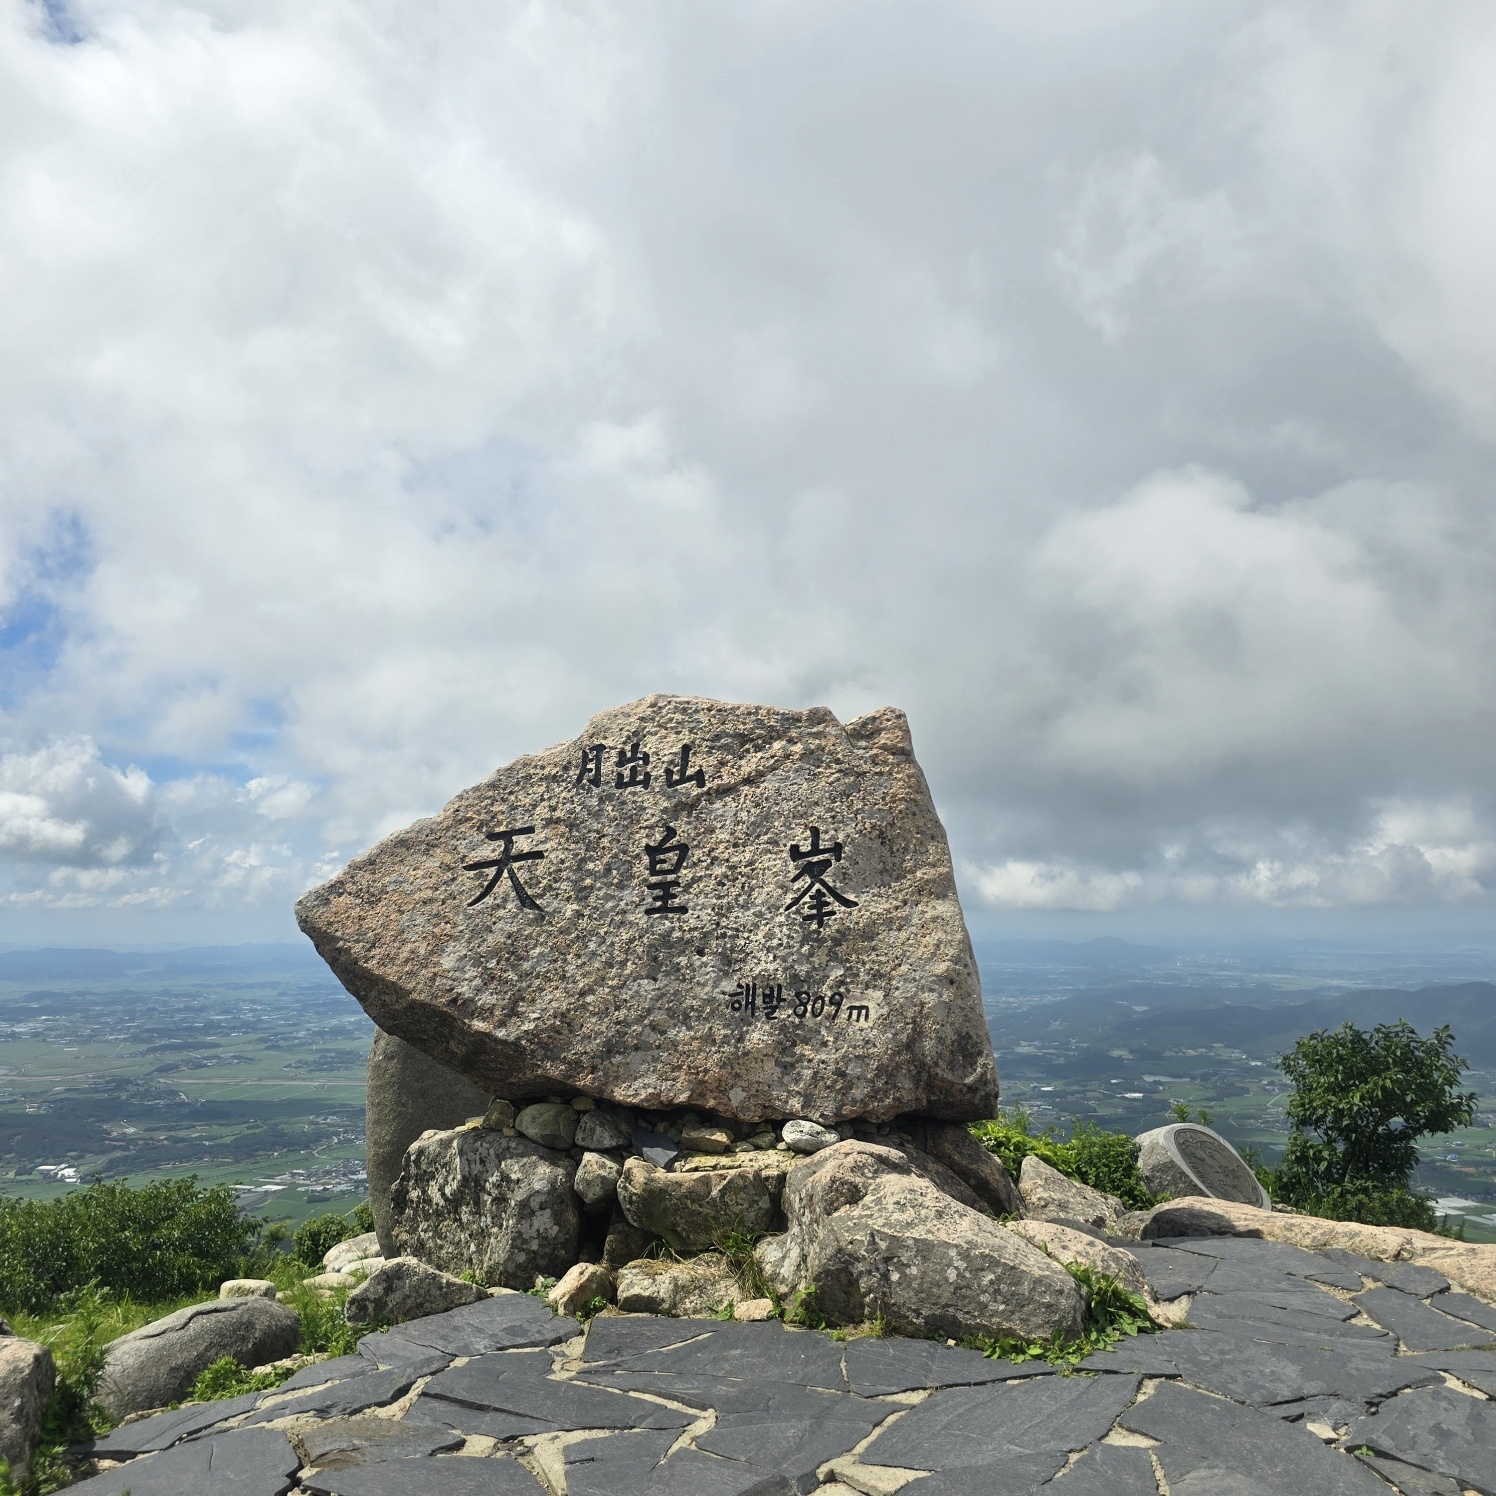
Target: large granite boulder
(27, 1379)
(408, 1093)
(741, 909)
(877, 1242)
(1184, 1159)
(471, 1200)
(691, 1211)
(158, 1363)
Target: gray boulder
(596, 1183)
(550, 1124)
(27, 1379)
(696, 1288)
(247, 1288)
(811, 959)
(878, 1242)
(605, 1129)
(691, 1210)
(405, 1289)
(158, 1363)
(1049, 1195)
(1184, 1159)
(982, 1172)
(407, 1094)
(340, 1258)
(474, 1201)
(580, 1286)
(801, 1136)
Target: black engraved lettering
(637, 764)
(857, 1012)
(815, 862)
(835, 1001)
(666, 858)
(745, 998)
(681, 772)
(773, 1000)
(591, 771)
(818, 1005)
(802, 1004)
(504, 863)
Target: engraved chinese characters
(586, 917)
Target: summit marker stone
(741, 909)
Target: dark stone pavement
(1300, 1373)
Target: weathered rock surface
(801, 1136)
(247, 1288)
(765, 927)
(1049, 1195)
(689, 1211)
(408, 1093)
(1469, 1265)
(158, 1363)
(964, 1156)
(580, 1286)
(342, 1257)
(27, 1378)
(604, 1129)
(596, 1183)
(1186, 1159)
(550, 1124)
(699, 1286)
(472, 1200)
(875, 1240)
(1065, 1246)
(403, 1289)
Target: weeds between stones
(227, 1378)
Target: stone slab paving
(1299, 1373)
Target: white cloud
(1110, 389)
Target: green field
(246, 1069)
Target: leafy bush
(1372, 1206)
(1360, 1103)
(362, 1216)
(315, 1238)
(1107, 1161)
(162, 1241)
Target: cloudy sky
(384, 388)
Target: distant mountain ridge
(61, 962)
(1148, 1018)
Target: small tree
(1360, 1103)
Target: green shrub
(165, 1240)
(362, 1216)
(315, 1238)
(1371, 1205)
(1107, 1161)
(1360, 1103)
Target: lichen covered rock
(474, 1201)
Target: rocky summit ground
(1301, 1372)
